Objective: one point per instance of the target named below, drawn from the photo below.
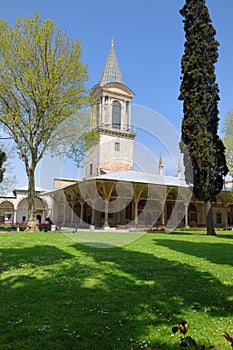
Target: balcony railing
(129, 128)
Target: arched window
(116, 115)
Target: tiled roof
(136, 176)
(25, 188)
(133, 177)
(111, 72)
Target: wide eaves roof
(140, 177)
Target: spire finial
(112, 42)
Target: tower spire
(160, 164)
(111, 72)
(179, 170)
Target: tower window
(127, 108)
(117, 146)
(91, 169)
(116, 115)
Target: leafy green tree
(203, 150)
(228, 139)
(42, 88)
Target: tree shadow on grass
(32, 256)
(162, 291)
(182, 280)
(99, 298)
(217, 253)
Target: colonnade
(111, 203)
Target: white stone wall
(108, 155)
(104, 156)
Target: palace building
(14, 206)
(112, 194)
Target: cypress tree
(200, 143)
(2, 160)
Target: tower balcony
(117, 127)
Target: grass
(56, 293)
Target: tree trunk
(209, 219)
(32, 225)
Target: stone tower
(112, 119)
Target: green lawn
(57, 293)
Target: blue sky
(149, 42)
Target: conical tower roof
(111, 72)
